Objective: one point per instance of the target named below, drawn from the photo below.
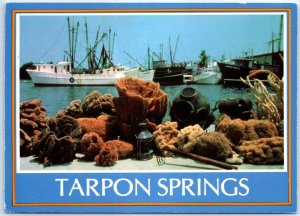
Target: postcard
(151, 108)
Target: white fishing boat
(146, 75)
(61, 74)
(208, 75)
(100, 71)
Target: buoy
(71, 80)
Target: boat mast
(76, 36)
(148, 52)
(70, 46)
(87, 45)
(109, 38)
(175, 48)
(273, 40)
(112, 46)
(170, 51)
(280, 33)
(161, 52)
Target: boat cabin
(244, 63)
(60, 68)
(159, 64)
(254, 65)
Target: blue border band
(23, 178)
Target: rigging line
(53, 43)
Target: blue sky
(45, 38)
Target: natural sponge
(33, 119)
(213, 145)
(150, 92)
(166, 135)
(95, 103)
(25, 144)
(107, 103)
(108, 155)
(124, 149)
(64, 126)
(105, 126)
(52, 150)
(90, 145)
(238, 131)
(74, 109)
(188, 137)
(263, 151)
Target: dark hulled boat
(240, 68)
(235, 69)
(168, 74)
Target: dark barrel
(235, 108)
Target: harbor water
(58, 98)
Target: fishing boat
(100, 71)
(145, 72)
(238, 68)
(168, 73)
(235, 69)
(61, 74)
(207, 75)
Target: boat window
(250, 64)
(51, 67)
(39, 68)
(55, 69)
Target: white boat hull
(44, 78)
(208, 78)
(146, 75)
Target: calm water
(57, 98)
